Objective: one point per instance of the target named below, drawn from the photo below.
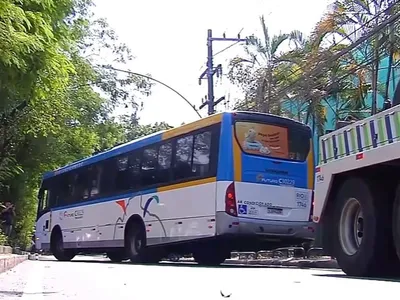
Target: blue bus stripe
(106, 199)
(388, 129)
(225, 154)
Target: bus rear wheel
(360, 240)
(117, 255)
(208, 257)
(57, 247)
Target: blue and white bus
(231, 181)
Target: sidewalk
(9, 260)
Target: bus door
(43, 223)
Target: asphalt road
(95, 278)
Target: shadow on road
(20, 293)
(175, 264)
(344, 276)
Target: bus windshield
(273, 140)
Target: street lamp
(151, 78)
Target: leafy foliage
(304, 80)
(3, 238)
(57, 100)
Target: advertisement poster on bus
(263, 139)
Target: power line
(318, 70)
(160, 82)
(357, 67)
(226, 48)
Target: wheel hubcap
(137, 243)
(351, 226)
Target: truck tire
(361, 245)
(396, 221)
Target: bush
(3, 238)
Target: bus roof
(151, 139)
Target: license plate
(275, 211)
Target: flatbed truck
(357, 195)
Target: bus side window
(94, 176)
(164, 163)
(122, 179)
(183, 157)
(81, 185)
(44, 199)
(134, 170)
(64, 189)
(201, 154)
(149, 166)
(108, 184)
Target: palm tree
(350, 19)
(255, 73)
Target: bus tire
(57, 247)
(116, 255)
(361, 244)
(207, 257)
(135, 243)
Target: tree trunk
(269, 90)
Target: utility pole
(211, 71)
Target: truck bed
(367, 142)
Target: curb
(316, 264)
(6, 250)
(9, 262)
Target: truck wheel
(57, 247)
(360, 238)
(396, 221)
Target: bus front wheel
(135, 243)
(57, 247)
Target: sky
(168, 40)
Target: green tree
(350, 20)
(255, 73)
(56, 100)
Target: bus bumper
(227, 225)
